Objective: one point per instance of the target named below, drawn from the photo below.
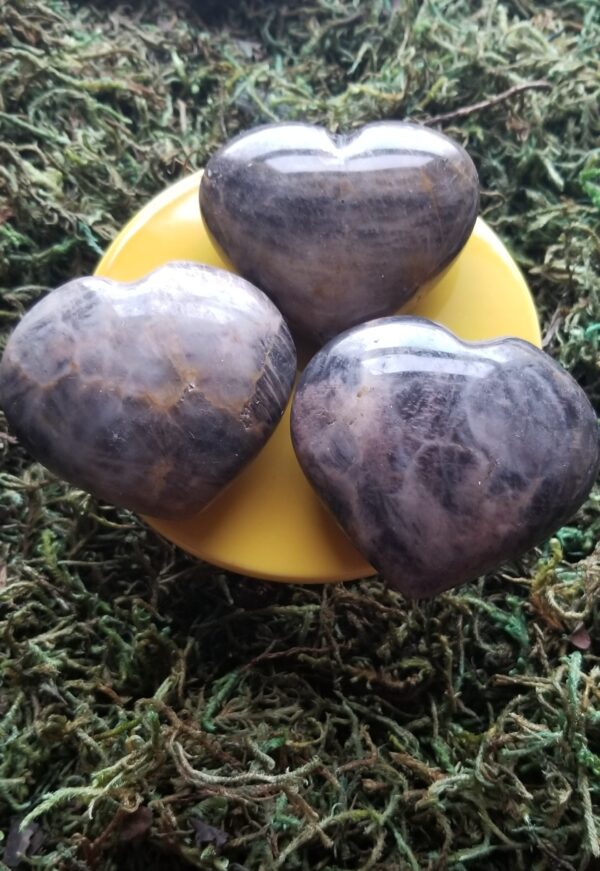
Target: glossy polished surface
(340, 229)
(442, 459)
(151, 395)
(268, 522)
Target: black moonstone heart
(339, 229)
(151, 395)
(440, 458)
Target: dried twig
(465, 111)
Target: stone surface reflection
(442, 459)
(151, 395)
(340, 229)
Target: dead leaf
(580, 638)
(206, 834)
(21, 843)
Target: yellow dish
(269, 523)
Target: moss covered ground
(156, 713)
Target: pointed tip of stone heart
(151, 395)
(339, 229)
(440, 458)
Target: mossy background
(158, 714)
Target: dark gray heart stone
(339, 229)
(440, 458)
(151, 395)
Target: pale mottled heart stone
(441, 458)
(339, 229)
(151, 395)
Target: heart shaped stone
(151, 395)
(339, 229)
(440, 458)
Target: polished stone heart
(440, 458)
(339, 229)
(151, 395)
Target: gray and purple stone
(339, 229)
(151, 395)
(440, 458)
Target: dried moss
(157, 713)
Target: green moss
(148, 703)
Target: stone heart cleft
(151, 395)
(440, 458)
(339, 229)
